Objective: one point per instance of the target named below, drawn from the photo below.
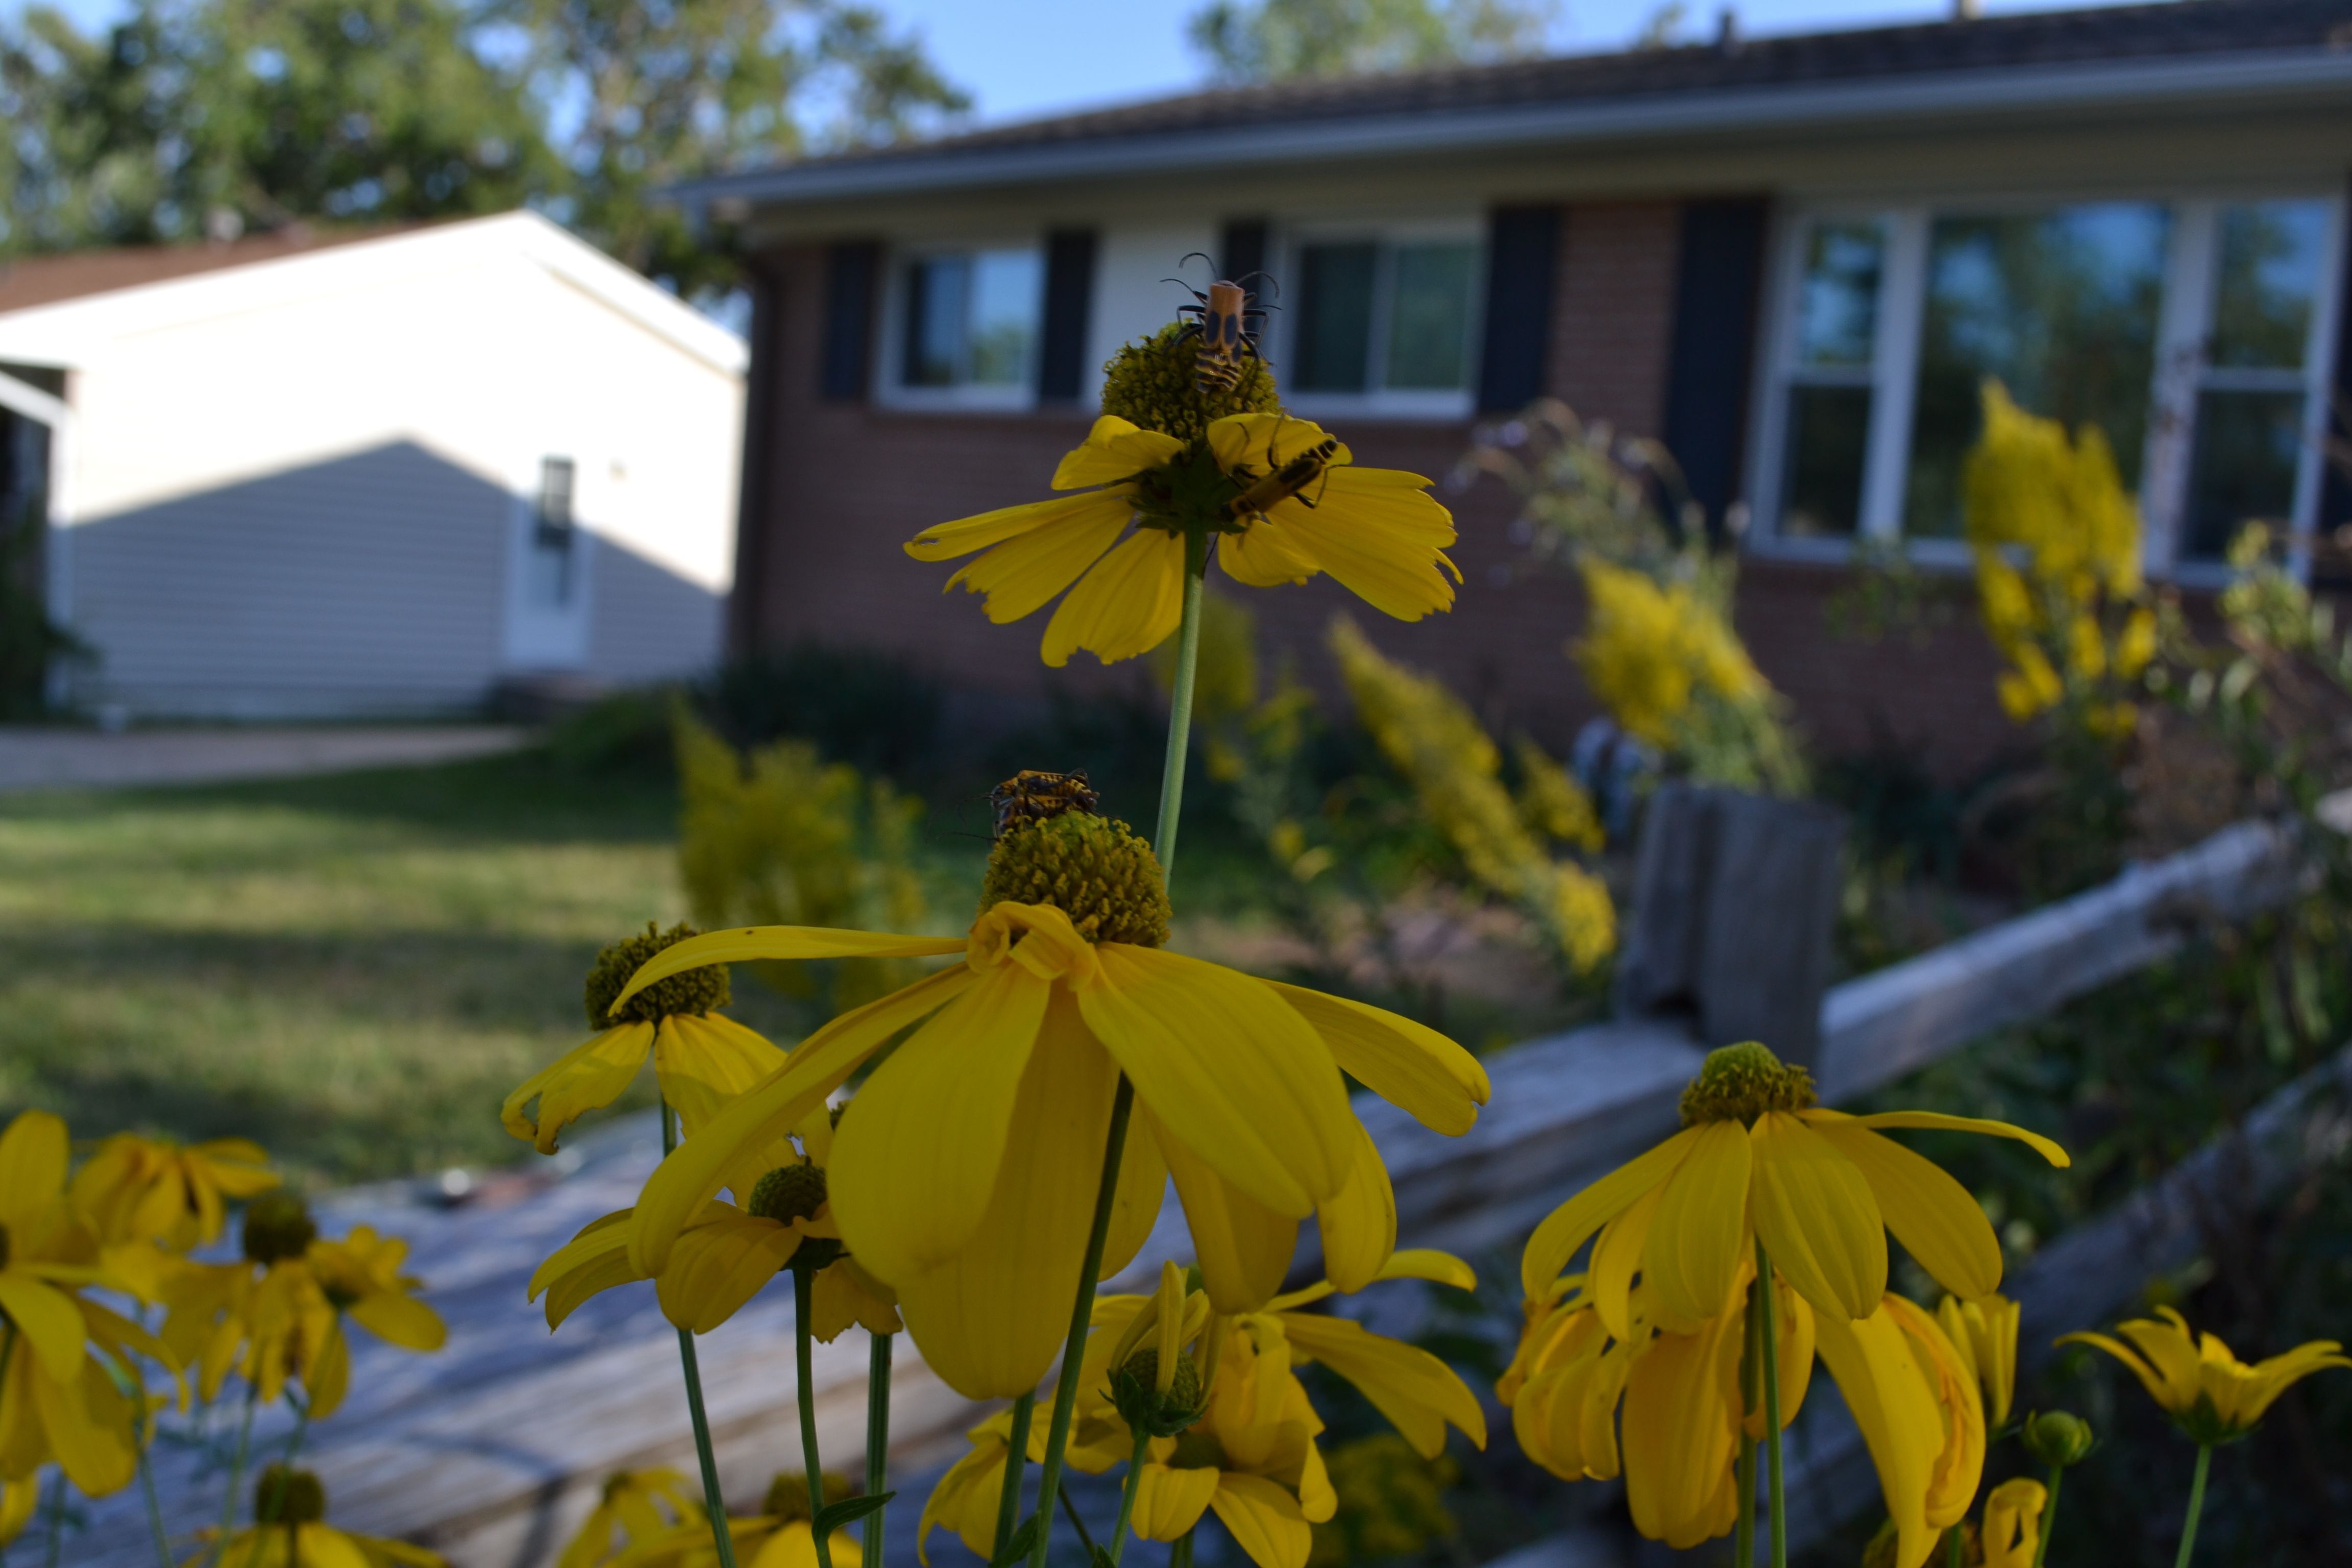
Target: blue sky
(1023, 57)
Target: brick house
(1792, 258)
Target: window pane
(1004, 299)
(935, 292)
(2269, 280)
(2062, 308)
(2243, 471)
(1335, 317)
(1829, 426)
(1429, 316)
(1837, 306)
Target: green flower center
(1739, 1083)
(696, 991)
(789, 1193)
(286, 1496)
(1135, 1392)
(788, 1495)
(277, 1225)
(1154, 383)
(1092, 868)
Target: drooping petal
(1360, 1224)
(1929, 1213)
(46, 1318)
(400, 1320)
(991, 1317)
(843, 1295)
(1114, 449)
(1266, 1521)
(1263, 556)
(1817, 1217)
(1617, 1257)
(704, 1061)
(965, 1500)
(1169, 1501)
(1568, 1228)
(744, 944)
(916, 1152)
(946, 540)
(329, 1377)
(1933, 1120)
(1230, 1071)
(1261, 443)
(1959, 1464)
(1135, 1210)
(694, 1171)
(1680, 1433)
(1022, 574)
(1243, 1248)
(1410, 1065)
(1871, 1363)
(595, 1260)
(587, 1077)
(1381, 535)
(1127, 604)
(718, 1266)
(1698, 1238)
(1419, 1393)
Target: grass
(354, 970)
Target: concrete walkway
(87, 759)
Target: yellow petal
(1360, 1224)
(1263, 556)
(1127, 604)
(1262, 443)
(1243, 1248)
(1699, 1237)
(747, 942)
(1230, 1071)
(1617, 1257)
(402, 1321)
(1418, 1393)
(1169, 1502)
(946, 540)
(1929, 1213)
(1930, 1119)
(1885, 1388)
(1019, 576)
(916, 1152)
(718, 1266)
(965, 1500)
(329, 1377)
(46, 1318)
(1568, 1228)
(595, 1260)
(1380, 534)
(587, 1077)
(1135, 1210)
(1264, 1520)
(1680, 1433)
(705, 1062)
(1411, 1066)
(991, 1318)
(696, 1170)
(1817, 1217)
(1114, 449)
(33, 1153)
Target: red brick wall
(851, 483)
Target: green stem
(1180, 704)
(1127, 1494)
(721, 1532)
(805, 1376)
(1956, 1554)
(877, 1435)
(1771, 1362)
(155, 1510)
(1743, 1545)
(1016, 1460)
(2049, 1515)
(1085, 1537)
(235, 1473)
(2196, 1505)
(1181, 1554)
(1066, 1391)
(57, 1518)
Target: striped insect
(1223, 321)
(1030, 796)
(1286, 481)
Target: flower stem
(1079, 1523)
(805, 1382)
(1956, 1552)
(1743, 1545)
(722, 1534)
(1066, 1391)
(2049, 1515)
(877, 1435)
(1127, 1494)
(2196, 1505)
(235, 1472)
(1180, 704)
(1016, 1460)
(1769, 1360)
(1181, 1554)
(146, 1436)
(56, 1517)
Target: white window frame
(2184, 317)
(1379, 402)
(892, 391)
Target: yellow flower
(1985, 1334)
(726, 1253)
(2210, 1393)
(1757, 1159)
(1649, 649)
(640, 1505)
(964, 1172)
(290, 1531)
(151, 1189)
(18, 1499)
(2012, 1523)
(1377, 530)
(701, 1058)
(778, 1537)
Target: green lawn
(354, 970)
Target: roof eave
(1879, 100)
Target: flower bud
(2057, 1439)
(1144, 1406)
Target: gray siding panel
(647, 623)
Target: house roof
(31, 281)
(2143, 50)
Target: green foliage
(781, 838)
(864, 709)
(1282, 40)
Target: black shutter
(1070, 300)
(1717, 285)
(853, 271)
(1241, 250)
(2329, 570)
(1521, 245)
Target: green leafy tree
(1282, 40)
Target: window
(555, 543)
(2188, 333)
(969, 321)
(1385, 319)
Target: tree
(651, 92)
(211, 117)
(1282, 40)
